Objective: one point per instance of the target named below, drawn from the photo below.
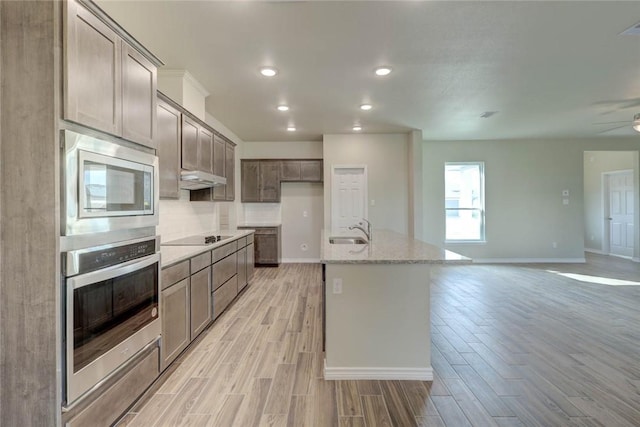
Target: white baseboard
(529, 260)
(301, 260)
(595, 251)
(417, 374)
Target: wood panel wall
(29, 226)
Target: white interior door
(348, 197)
(621, 206)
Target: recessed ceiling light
(268, 71)
(357, 128)
(383, 71)
(366, 107)
(291, 128)
(283, 108)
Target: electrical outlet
(373, 202)
(565, 201)
(337, 285)
(554, 245)
(305, 214)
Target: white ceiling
(551, 68)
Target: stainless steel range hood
(196, 180)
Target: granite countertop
(260, 224)
(170, 255)
(387, 247)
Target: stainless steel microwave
(107, 186)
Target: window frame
(482, 210)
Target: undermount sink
(342, 240)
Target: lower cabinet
(267, 244)
(251, 265)
(175, 315)
(223, 296)
(200, 293)
(242, 268)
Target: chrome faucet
(366, 232)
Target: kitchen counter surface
(170, 255)
(387, 247)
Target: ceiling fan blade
(609, 130)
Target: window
(464, 201)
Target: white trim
(184, 74)
(416, 374)
(634, 259)
(595, 251)
(301, 260)
(529, 260)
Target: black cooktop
(197, 240)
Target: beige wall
(524, 180)
(386, 158)
(295, 199)
(595, 164)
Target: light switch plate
(337, 285)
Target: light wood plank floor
(511, 346)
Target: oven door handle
(111, 272)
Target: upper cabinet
(301, 170)
(261, 178)
(139, 81)
(230, 170)
(187, 143)
(108, 84)
(205, 146)
(168, 139)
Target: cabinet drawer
(249, 239)
(201, 261)
(267, 230)
(116, 399)
(242, 242)
(223, 251)
(224, 269)
(174, 274)
(223, 296)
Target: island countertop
(387, 247)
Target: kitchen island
(377, 307)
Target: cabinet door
(266, 248)
(250, 171)
(168, 142)
(311, 170)
(219, 164)
(290, 170)
(269, 181)
(205, 147)
(223, 296)
(189, 144)
(250, 261)
(242, 268)
(200, 301)
(139, 85)
(230, 170)
(93, 72)
(174, 312)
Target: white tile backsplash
(256, 213)
(180, 218)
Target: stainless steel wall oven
(111, 309)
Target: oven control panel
(108, 256)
